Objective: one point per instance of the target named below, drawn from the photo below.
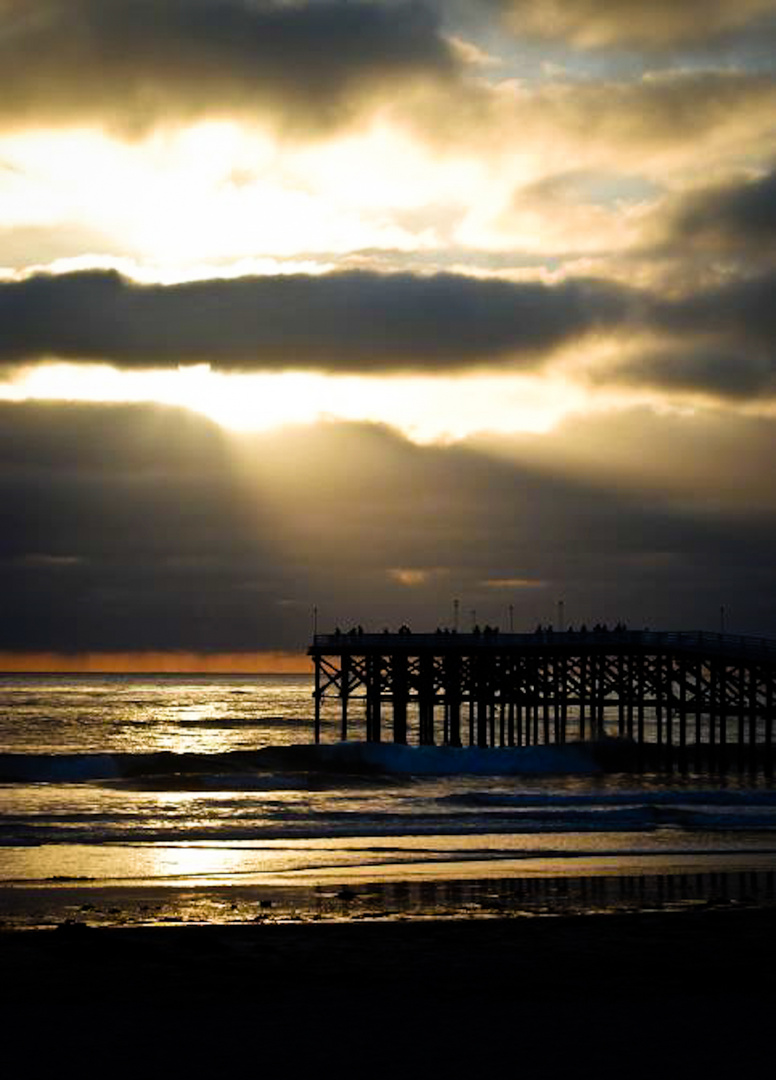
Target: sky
(351, 309)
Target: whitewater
(208, 787)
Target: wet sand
(49, 903)
(639, 994)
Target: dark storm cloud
(741, 311)
(132, 63)
(746, 374)
(735, 217)
(718, 342)
(643, 24)
(355, 321)
(133, 528)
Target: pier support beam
(345, 694)
(400, 697)
(426, 700)
(373, 698)
(317, 697)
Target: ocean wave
(389, 762)
(701, 797)
(674, 831)
(342, 758)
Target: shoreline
(348, 897)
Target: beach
(681, 992)
(189, 884)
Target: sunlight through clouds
(376, 287)
(211, 191)
(424, 409)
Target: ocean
(181, 798)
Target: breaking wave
(340, 758)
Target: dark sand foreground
(634, 995)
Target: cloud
(357, 321)
(661, 110)
(642, 24)
(125, 525)
(717, 340)
(740, 310)
(744, 375)
(132, 64)
(703, 238)
(738, 217)
(147, 528)
(700, 459)
(658, 126)
(410, 576)
(714, 342)
(38, 245)
(513, 584)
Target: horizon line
(153, 662)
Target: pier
(664, 691)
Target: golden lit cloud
(655, 24)
(413, 577)
(216, 192)
(514, 583)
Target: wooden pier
(666, 690)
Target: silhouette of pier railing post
(668, 695)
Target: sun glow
(220, 191)
(424, 408)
